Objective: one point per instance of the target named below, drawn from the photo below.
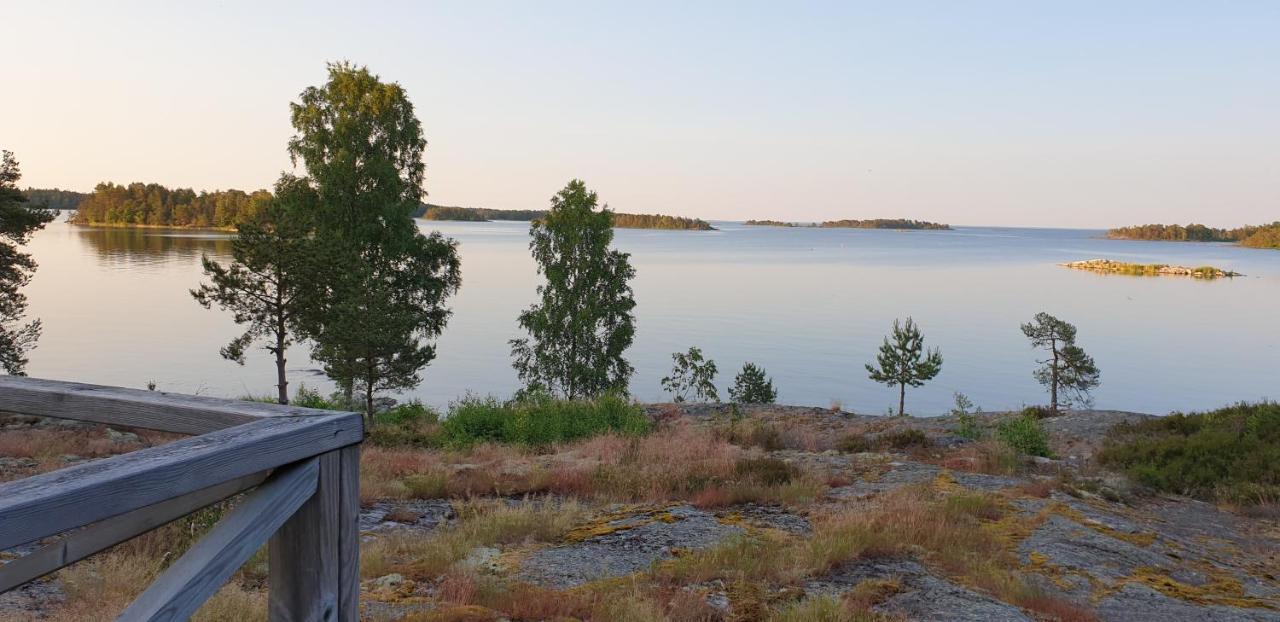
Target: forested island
(1253, 236)
(620, 220)
(153, 205)
(1111, 266)
(871, 223)
(54, 198)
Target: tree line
(1254, 236)
(54, 198)
(620, 220)
(871, 223)
(155, 205)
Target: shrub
(766, 471)
(751, 386)
(1025, 434)
(1039, 412)
(966, 421)
(855, 443)
(903, 439)
(539, 420)
(406, 425)
(1231, 454)
(691, 374)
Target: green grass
(539, 420)
(1231, 454)
(1025, 434)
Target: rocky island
(1111, 266)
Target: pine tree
(583, 322)
(751, 386)
(265, 285)
(17, 222)
(1069, 373)
(904, 361)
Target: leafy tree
(691, 373)
(751, 386)
(904, 361)
(1068, 372)
(583, 322)
(17, 223)
(380, 286)
(265, 286)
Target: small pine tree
(904, 361)
(751, 386)
(1069, 373)
(691, 373)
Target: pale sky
(1073, 113)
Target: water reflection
(149, 246)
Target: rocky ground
(1080, 543)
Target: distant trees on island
(622, 221)
(1253, 236)
(872, 223)
(154, 205)
(54, 198)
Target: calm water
(810, 305)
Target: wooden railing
(299, 466)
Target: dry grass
(47, 446)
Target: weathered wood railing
(301, 467)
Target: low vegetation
(539, 420)
(1231, 454)
(1110, 266)
(1025, 434)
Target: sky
(1078, 113)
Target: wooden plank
(102, 535)
(303, 577)
(349, 536)
(50, 503)
(152, 410)
(180, 590)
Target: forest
(884, 223)
(1253, 236)
(154, 205)
(54, 198)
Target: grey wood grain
(104, 534)
(180, 590)
(349, 536)
(153, 410)
(50, 503)
(303, 579)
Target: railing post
(314, 557)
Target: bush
(405, 425)
(1231, 454)
(1025, 434)
(903, 439)
(1039, 412)
(767, 471)
(966, 419)
(539, 420)
(854, 444)
(751, 386)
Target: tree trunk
(281, 382)
(1053, 385)
(902, 398)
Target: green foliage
(1231, 454)
(405, 425)
(691, 373)
(18, 222)
(379, 287)
(54, 198)
(583, 320)
(904, 361)
(855, 444)
(264, 286)
(660, 221)
(966, 420)
(539, 420)
(1025, 434)
(1068, 372)
(1039, 412)
(158, 206)
(1255, 236)
(752, 386)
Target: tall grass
(539, 420)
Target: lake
(809, 305)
